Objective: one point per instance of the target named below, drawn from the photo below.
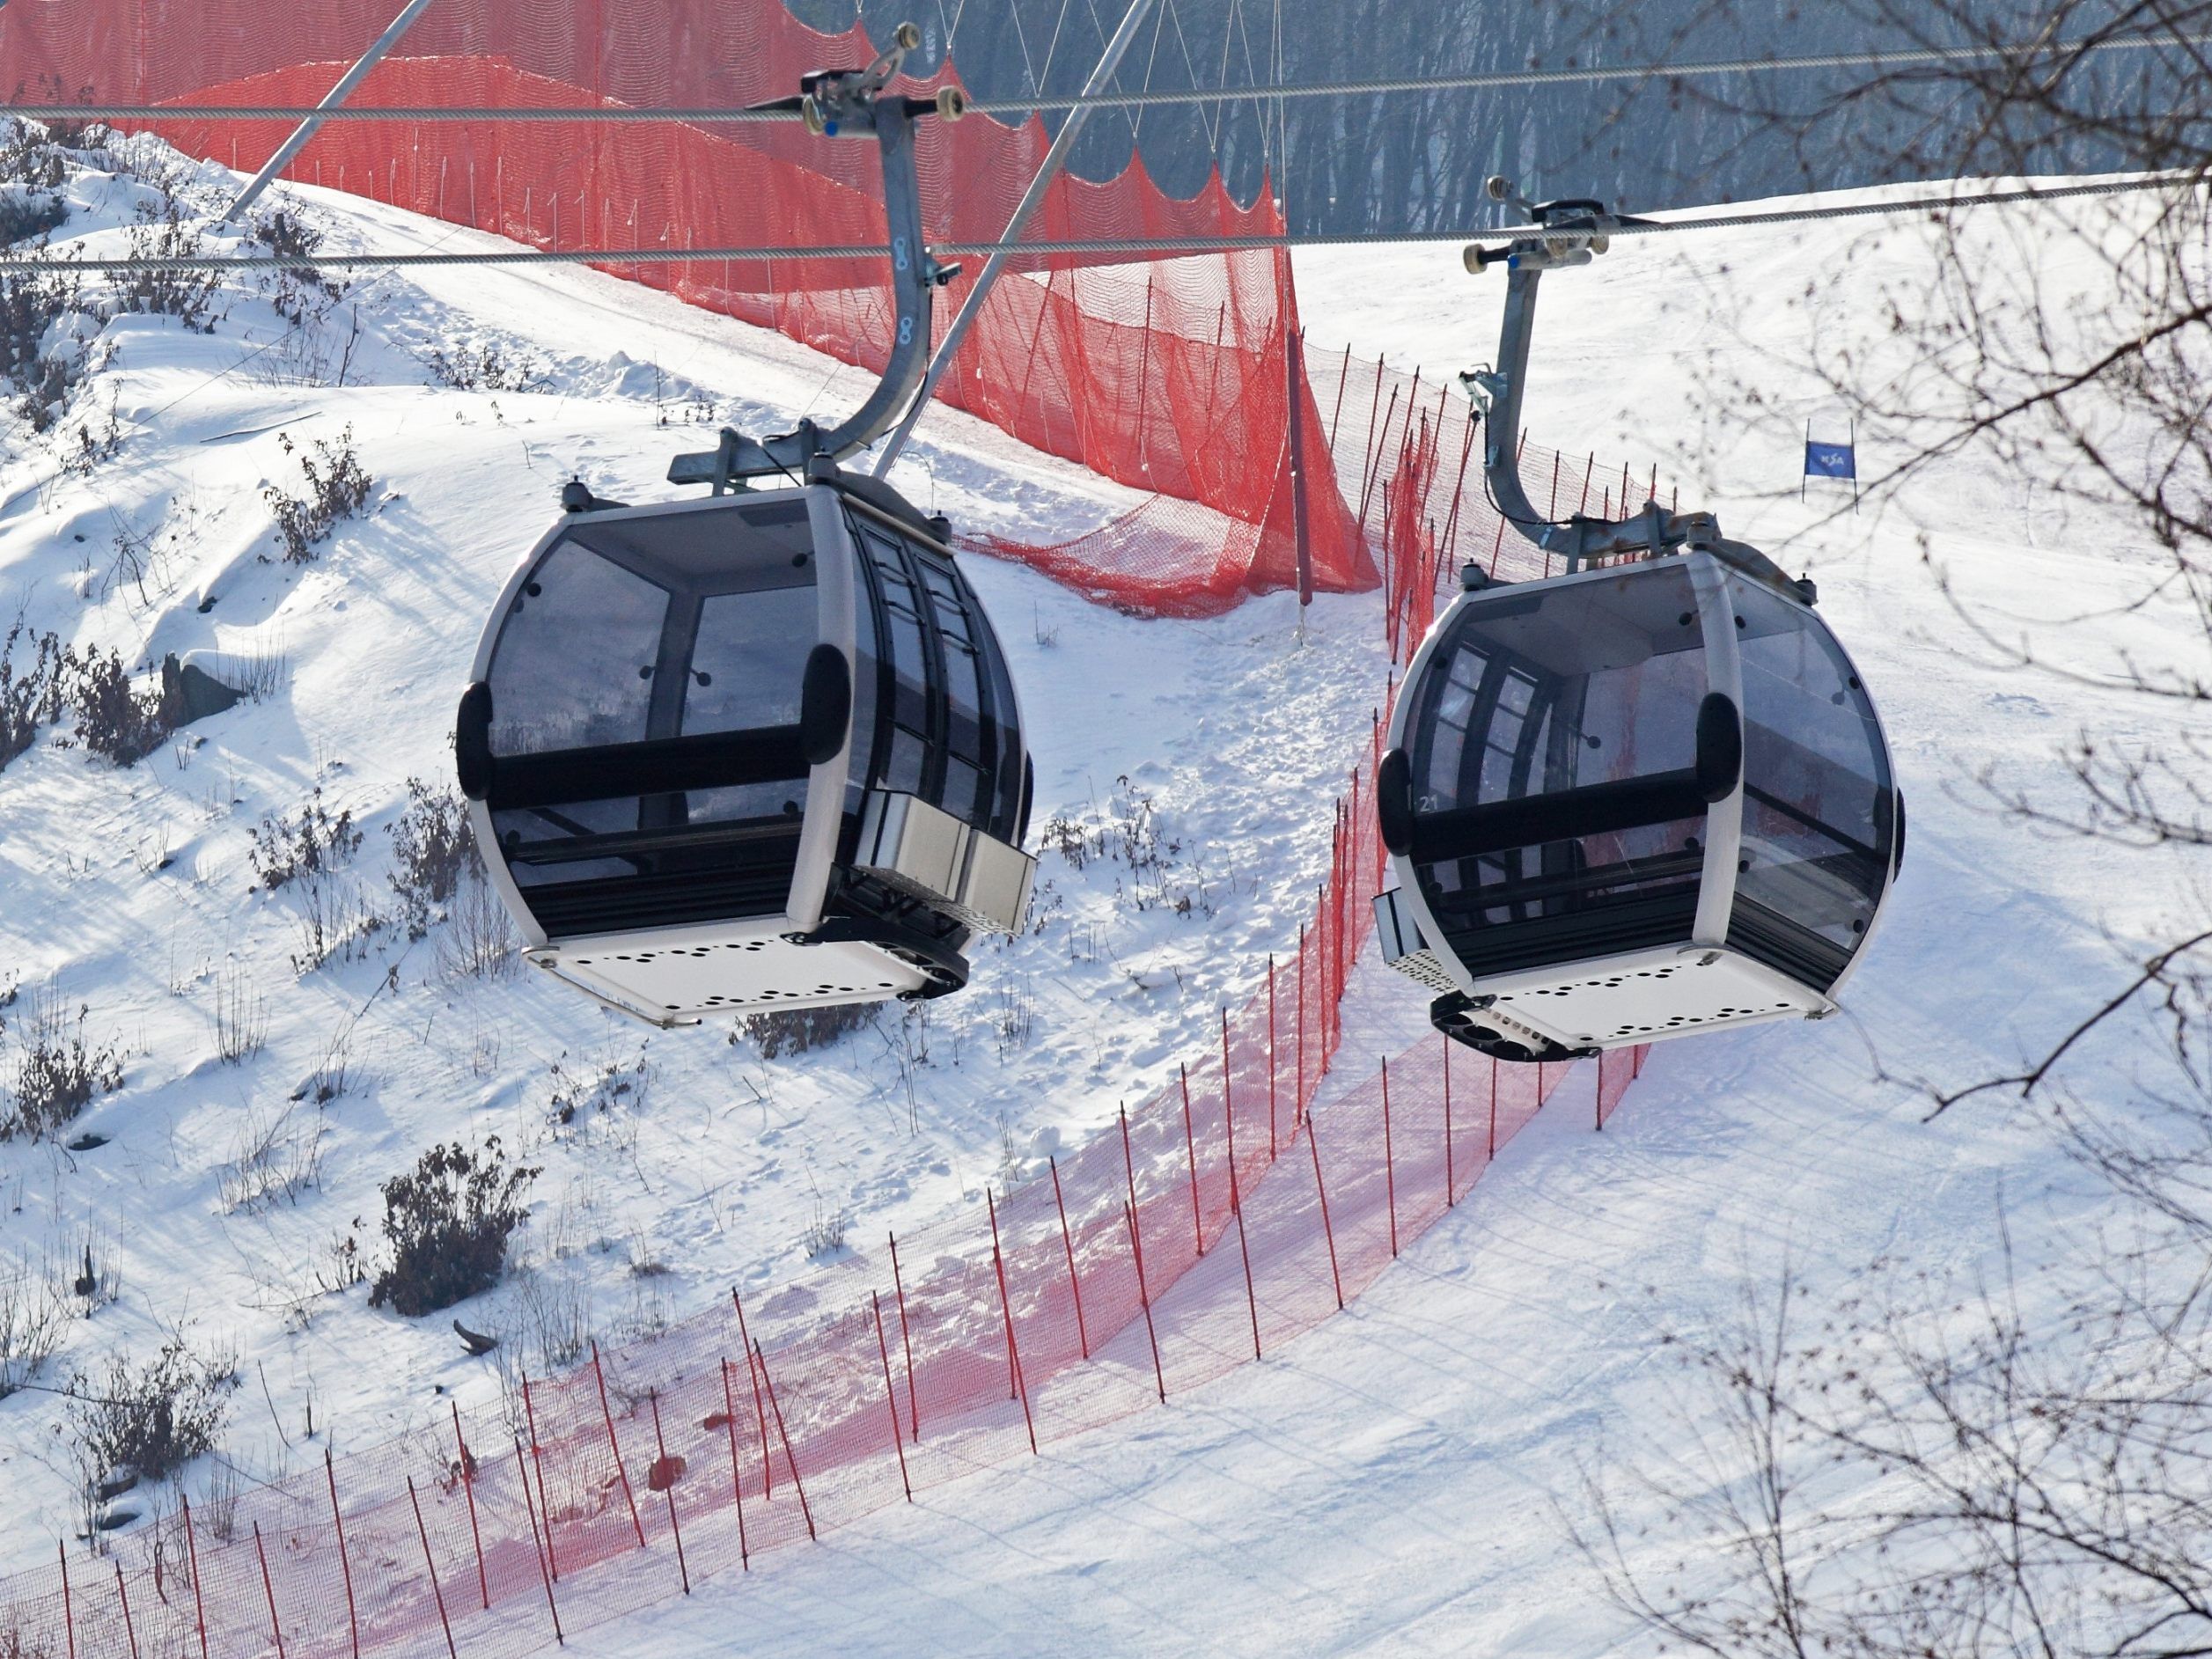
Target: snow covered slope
(226, 1189)
(1398, 1481)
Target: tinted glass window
(749, 661)
(1818, 808)
(574, 664)
(1544, 692)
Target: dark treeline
(1416, 161)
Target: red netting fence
(1236, 1208)
(1171, 377)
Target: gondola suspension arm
(1497, 392)
(855, 104)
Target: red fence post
(663, 1474)
(1450, 1193)
(424, 1532)
(736, 1480)
(1298, 1105)
(1068, 1242)
(891, 1397)
(345, 1569)
(69, 1617)
(1190, 1146)
(905, 1342)
(1228, 1111)
(1492, 1158)
(1006, 1306)
(192, 1560)
(760, 1411)
(468, 1486)
(1271, 1072)
(599, 1374)
(1243, 1247)
(1313, 1145)
(761, 1360)
(268, 1589)
(538, 1459)
(1144, 1300)
(522, 1467)
(1390, 1167)
(122, 1594)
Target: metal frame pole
(335, 97)
(1062, 142)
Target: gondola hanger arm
(855, 104)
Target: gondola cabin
(1629, 803)
(756, 750)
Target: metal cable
(710, 116)
(1185, 245)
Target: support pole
(761, 1360)
(468, 1486)
(1190, 1148)
(1313, 1145)
(522, 1467)
(192, 1560)
(122, 1596)
(760, 1411)
(890, 1397)
(424, 1532)
(1006, 1306)
(1390, 1164)
(1293, 354)
(1244, 1248)
(268, 1589)
(69, 1615)
(1144, 1300)
(664, 1471)
(538, 1460)
(1068, 1242)
(905, 1342)
(1071, 129)
(614, 1446)
(737, 1480)
(336, 96)
(345, 1567)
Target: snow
(1401, 1480)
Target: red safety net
(1172, 376)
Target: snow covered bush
(431, 843)
(57, 1073)
(112, 719)
(153, 1419)
(795, 1030)
(448, 1221)
(338, 486)
(286, 849)
(29, 696)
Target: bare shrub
(31, 695)
(153, 1419)
(824, 1235)
(112, 719)
(432, 845)
(334, 923)
(241, 1022)
(486, 368)
(277, 1158)
(798, 1031)
(479, 943)
(584, 1090)
(448, 1221)
(31, 1319)
(187, 296)
(286, 848)
(338, 486)
(57, 1073)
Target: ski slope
(1401, 1480)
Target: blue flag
(1830, 460)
